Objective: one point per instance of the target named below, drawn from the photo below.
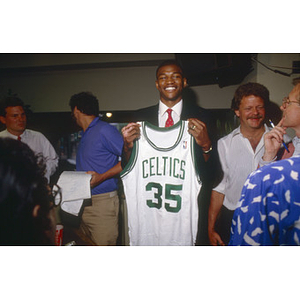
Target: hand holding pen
(273, 140)
(283, 143)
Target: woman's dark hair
(85, 102)
(22, 187)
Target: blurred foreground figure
(27, 216)
(269, 209)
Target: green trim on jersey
(132, 160)
(162, 129)
(193, 155)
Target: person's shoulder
(284, 167)
(37, 136)
(34, 133)
(149, 114)
(3, 133)
(193, 107)
(191, 110)
(229, 136)
(146, 110)
(106, 127)
(288, 163)
(104, 124)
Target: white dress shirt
(296, 143)
(40, 146)
(238, 160)
(163, 115)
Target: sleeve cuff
(264, 163)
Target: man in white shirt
(240, 153)
(12, 114)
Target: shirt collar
(296, 143)
(238, 130)
(15, 136)
(93, 123)
(177, 108)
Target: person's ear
(3, 120)
(156, 84)
(185, 83)
(237, 112)
(35, 211)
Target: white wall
(278, 85)
(125, 88)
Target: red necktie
(19, 138)
(169, 121)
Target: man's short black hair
(168, 63)
(10, 101)
(85, 102)
(248, 89)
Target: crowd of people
(181, 185)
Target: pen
(283, 143)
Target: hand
(96, 178)
(199, 131)
(215, 239)
(130, 133)
(273, 140)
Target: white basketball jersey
(161, 187)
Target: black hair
(22, 187)
(168, 63)
(248, 89)
(8, 102)
(85, 102)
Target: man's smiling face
(170, 83)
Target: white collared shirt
(296, 143)
(39, 144)
(163, 115)
(238, 160)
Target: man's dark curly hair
(85, 102)
(22, 187)
(248, 89)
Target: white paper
(75, 187)
(72, 207)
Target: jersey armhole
(132, 160)
(196, 163)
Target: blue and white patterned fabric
(268, 212)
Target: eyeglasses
(286, 102)
(56, 195)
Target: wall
(121, 88)
(278, 85)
